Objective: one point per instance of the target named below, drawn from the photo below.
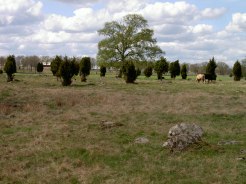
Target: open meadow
(52, 134)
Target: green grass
(52, 134)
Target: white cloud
(178, 12)
(21, 47)
(201, 29)
(13, 5)
(169, 29)
(49, 37)
(5, 20)
(35, 9)
(213, 13)
(84, 19)
(238, 23)
(125, 6)
(19, 12)
(77, 1)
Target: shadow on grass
(83, 85)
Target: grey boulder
(182, 135)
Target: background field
(52, 134)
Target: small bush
(237, 71)
(174, 69)
(129, 71)
(210, 68)
(10, 67)
(84, 68)
(161, 67)
(148, 71)
(103, 71)
(183, 72)
(55, 65)
(40, 67)
(75, 66)
(67, 70)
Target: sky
(192, 31)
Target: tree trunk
(83, 78)
(159, 76)
(10, 78)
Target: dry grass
(52, 134)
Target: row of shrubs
(161, 67)
(66, 68)
(129, 72)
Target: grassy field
(52, 134)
